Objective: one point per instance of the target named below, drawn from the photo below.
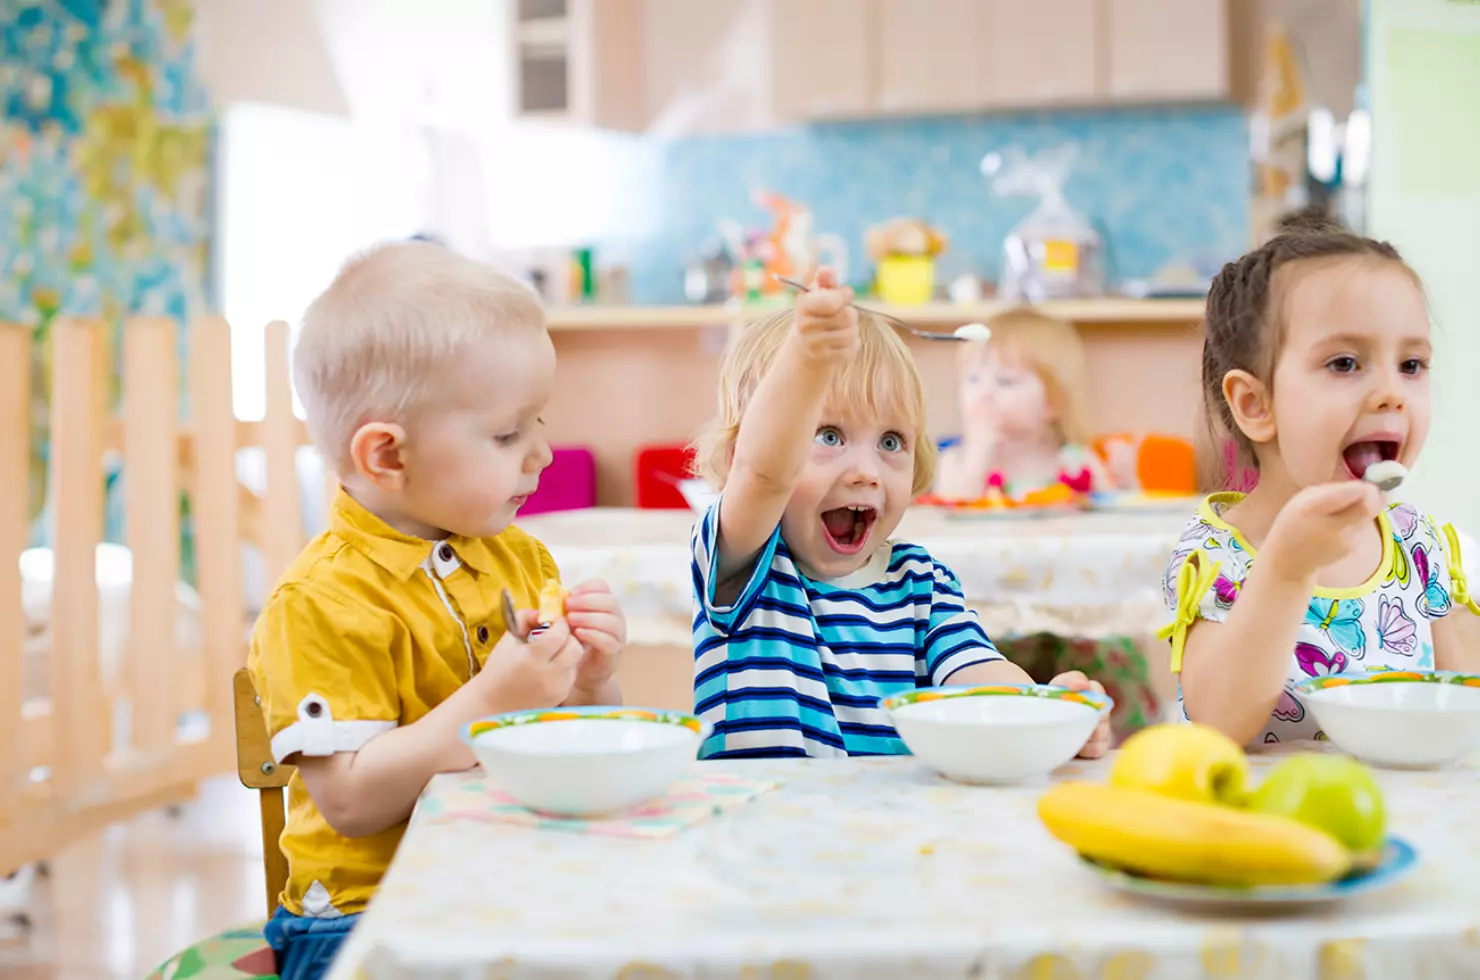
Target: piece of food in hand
(1173, 839)
(1388, 474)
(1335, 793)
(1188, 762)
(552, 602)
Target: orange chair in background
(1149, 462)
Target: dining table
(873, 868)
(1087, 574)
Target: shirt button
(483, 634)
(445, 552)
(315, 709)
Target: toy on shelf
(905, 250)
(792, 249)
(1024, 435)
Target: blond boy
(807, 614)
(422, 375)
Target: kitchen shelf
(1086, 312)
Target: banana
(1164, 837)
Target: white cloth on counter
(1086, 575)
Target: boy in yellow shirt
(422, 375)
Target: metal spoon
(511, 616)
(975, 333)
(1387, 475)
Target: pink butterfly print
(1405, 520)
(1288, 709)
(1396, 631)
(1317, 663)
(1225, 590)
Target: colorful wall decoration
(105, 145)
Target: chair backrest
(257, 770)
(659, 471)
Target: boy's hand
(826, 325)
(538, 673)
(596, 619)
(1099, 742)
(1314, 529)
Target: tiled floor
(120, 902)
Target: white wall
(1425, 198)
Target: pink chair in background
(568, 483)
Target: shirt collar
(400, 554)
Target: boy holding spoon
(423, 375)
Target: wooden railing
(86, 749)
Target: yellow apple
(1185, 761)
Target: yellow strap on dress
(1194, 579)
(1459, 587)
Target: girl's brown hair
(1242, 325)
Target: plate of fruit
(1180, 820)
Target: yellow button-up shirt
(367, 630)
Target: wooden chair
(257, 770)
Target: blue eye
(892, 442)
(828, 436)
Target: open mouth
(1360, 455)
(846, 528)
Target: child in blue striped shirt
(806, 614)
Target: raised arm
(781, 421)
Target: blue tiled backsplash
(1162, 185)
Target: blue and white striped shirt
(797, 666)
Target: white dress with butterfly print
(1383, 624)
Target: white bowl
(582, 762)
(1399, 719)
(1001, 733)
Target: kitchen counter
(1107, 310)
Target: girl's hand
(1099, 742)
(826, 326)
(597, 622)
(1315, 528)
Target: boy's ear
(379, 453)
(1249, 401)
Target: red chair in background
(659, 471)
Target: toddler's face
(1351, 383)
(852, 493)
(474, 460)
(1000, 391)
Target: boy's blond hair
(1050, 348)
(374, 345)
(882, 378)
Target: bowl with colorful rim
(587, 761)
(1399, 719)
(995, 733)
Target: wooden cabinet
(823, 57)
(1156, 51)
(577, 61)
(931, 57)
(1041, 53)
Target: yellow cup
(907, 280)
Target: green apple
(1188, 762)
(1335, 793)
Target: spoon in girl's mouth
(1387, 474)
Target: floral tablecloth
(1086, 575)
(877, 868)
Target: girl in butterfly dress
(1316, 364)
